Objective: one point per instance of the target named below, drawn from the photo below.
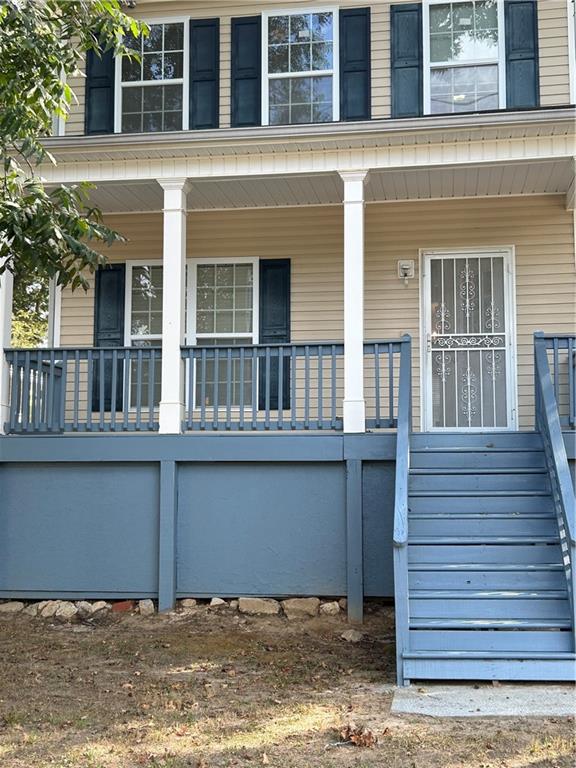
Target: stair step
(481, 459)
(483, 539)
(495, 567)
(488, 655)
(488, 594)
(478, 525)
(464, 494)
(480, 609)
(468, 480)
(551, 668)
(498, 640)
(433, 622)
(481, 504)
(497, 441)
(485, 554)
(464, 580)
(471, 470)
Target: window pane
(440, 18)
(322, 89)
(131, 70)
(278, 59)
(132, 100)
(321, 113)
(153, 41)
(224, 322)
(205, 298)
(301, 90)
(322, 56)
(243, 298)
(152, 122)
(132, 123)
(225, 298)
(322, 26)
(464, 89)
(300, 29)
(172, 98)
(244, 274)
(300, 58)
(206, 275)
(173, 37)
(152, 98)
(279, 91)
(173, 66)
(152, 66)
(243, 322)
(205, 322)
(301, 114)
(441, 48)
(279, 115)
(278, 28)
(173, 121)
(225, 275)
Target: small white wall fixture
(354, 204)
(6, 296)
(173, 305)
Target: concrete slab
(486, 700)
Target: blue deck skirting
(139, 516)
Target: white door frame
(508, 252)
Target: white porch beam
(354, 204)
(173, 304)
(6, 294)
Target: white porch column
(173, 305)
(6, 291)
(354, 403)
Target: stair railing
(548, 423)
(400, 536)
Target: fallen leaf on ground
(358, 735)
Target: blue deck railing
(561, 353)
(284, 387)
(547, 393)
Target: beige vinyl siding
(553, 45)
(540, 229)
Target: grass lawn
(212, 688)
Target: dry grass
(214, 689)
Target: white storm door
(469, 374)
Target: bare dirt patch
(215, 689)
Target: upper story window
(464, 68)
(300, 83)
(152, 96)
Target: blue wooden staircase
(487, 590)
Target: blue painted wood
(354, 541)
(480, 504)
(485, 553)
(400, 534)
(167, 536)
(476, 624)
(548, 421)
(437, 480)
(474, 609)
(482, 460)
(262, 529)
(469, 525)
(551, 578)
(472, 441)
(498, 641)
(491, 669)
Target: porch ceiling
(551, 177)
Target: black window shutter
(109, 331)
(406, 60)
(99, 115)
(521, 25)
(355, 64)
(246, 71)
(274, 328)
(204, 74)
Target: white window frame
(501, 62)
(192, 284)
(183, 81)
(334, 72)
(571, 11)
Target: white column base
(354, 412)
(171, 418)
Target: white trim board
(425, 256)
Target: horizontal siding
(540, 228)
(553, 45)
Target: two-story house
(313, 369)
